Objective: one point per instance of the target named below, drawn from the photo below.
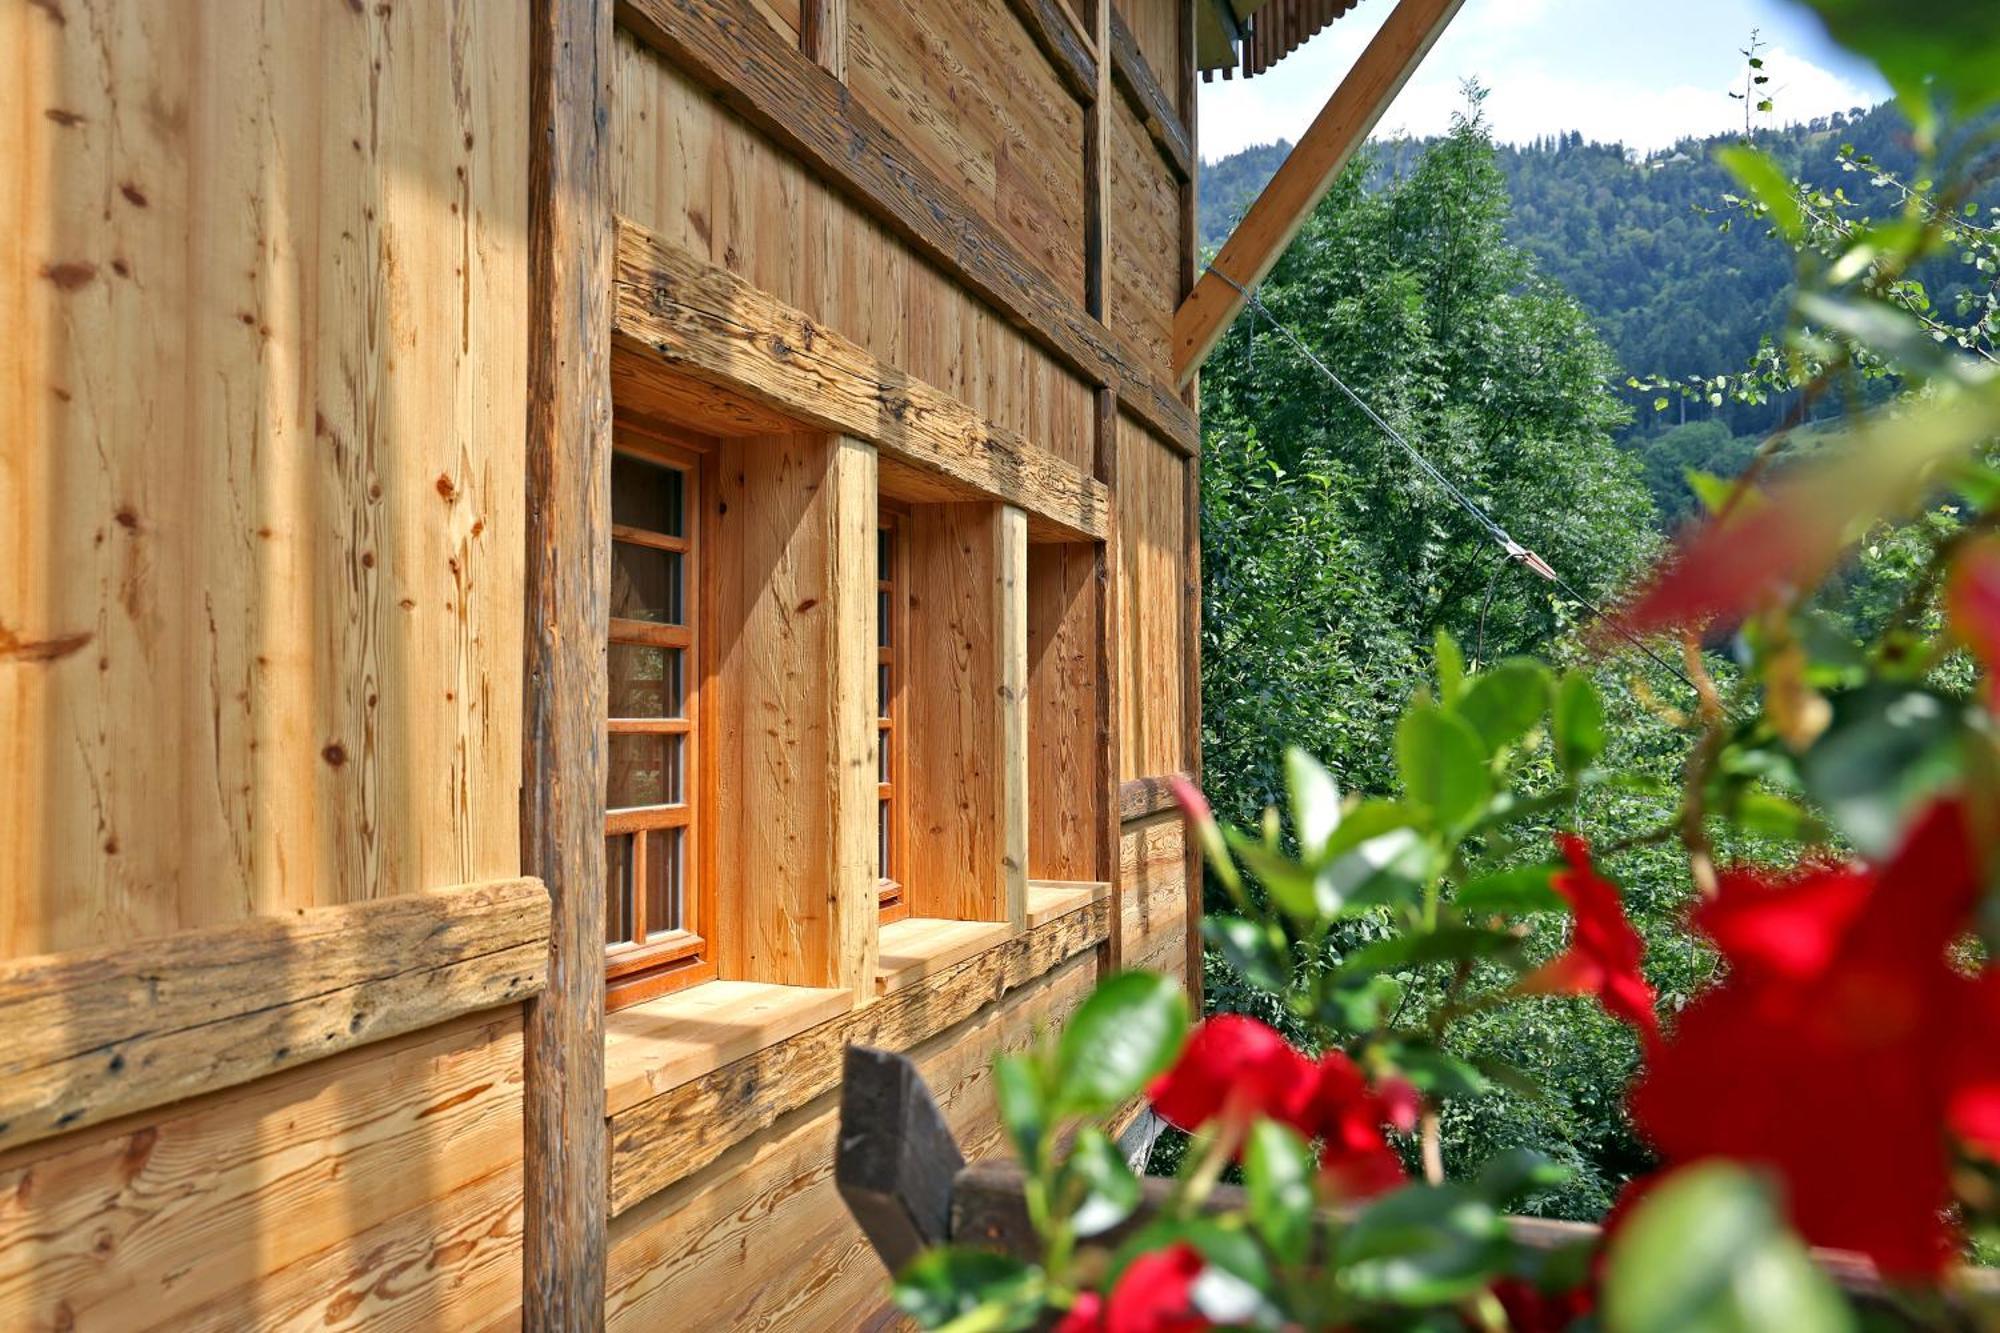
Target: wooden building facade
(562, 562)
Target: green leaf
(1368, 821)
(1099, 1174)
(1129, 1030)
(1315, 801)
(1579, 723)
(1513, 892)
(1017, 1084)
(1712, 491)
(1450, 667)
(1437, 1073)
(1765, 814)
(1442, 764)
(1504, 703)
(1952, 50)
(1517, 1173)
(948, 1282)
(1887, 750)
(1256, 949)
(1292, 886)
(1423, 1245)
(1446, 944)
(1278, 1170)
(1388, 869)
(1705, 1252)
(1769, 184)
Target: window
(655, 914)
(889, 621)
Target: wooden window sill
(653, 1047)
(1051, 898)
(919, 946)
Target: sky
(1641, 72)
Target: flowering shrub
(1837, 1085)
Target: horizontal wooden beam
(703, 321)
(100, 1033)
(1149, 100)
(730, 49)
(1055, 32)
(1305, 176)
(1141, 798)
(665, 1138)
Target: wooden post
(567, 599)
(1306, 174)
(896, 1158)
(1111, 855)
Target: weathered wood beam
(896, 1159)
(104, 1032)
(1111, 832)
(823, 35)
(1306, 175)
(567, 591)
(1141, 798)
(1149, 100)
(663, 1139)
(678, 310)
(733, 52)
(1049, 23)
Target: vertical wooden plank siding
(1110, 855)
(567, 592)
(967, 772)
(792, 635)
(823, 34)
(1190, 105)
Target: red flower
(1842, 1046)
(1532, 1310)
(1972, 599)
(1154, 1295)
(1236, 1069)
(1603, 955)
(1726, 567)
(1401, 1102)
(1348, 1118)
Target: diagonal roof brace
(1304, 178)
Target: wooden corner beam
(1306, 175)
(1055, 32)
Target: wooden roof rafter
(1346, 120)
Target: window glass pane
(882, 689)
(884, 548)
(882, 629)
(648, 495)
(882, 743)
(646, 681)
(665, 874)
(643, 769)
(646, 584)
(618, 889)
(882, 867)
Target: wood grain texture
(1141, 797)
(1152, 605)
(792, 656)
(1108, 752)
(381, 1187)
(966, 711)
(261, 395)
(1142, 240)
(1149, 101)
(1152, 24)
(673, 309)
(700, 178)
(710, 1243)
(919, 947)
(1154, 908)
(1007, 144)
(1305, 176)
(1050, 23)
(808, 113)
(653, 1047)
(570, 268)
(897, 1156)
(1191, 711)
(666, 1138)
(1065, 801)
(105, 1032)
(823, 35)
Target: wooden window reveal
(891, 606)
(656, 914)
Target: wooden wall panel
(697, 177)
(761, 1240)
(1153, 896)
(1155, 24)
(965, 712)
(1066, 802)
(380, 1187)
(964, 85)
(791, 642)
(260, 459)
(1143, 245)
(1152, 605)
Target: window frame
(892, 897)
(645, 968)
